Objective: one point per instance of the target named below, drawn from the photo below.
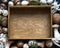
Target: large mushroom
(56, 18)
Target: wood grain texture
(30, 23)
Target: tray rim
(30, 6)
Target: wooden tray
(29, 22)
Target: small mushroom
(20, 44)
(4, 30)
(3, 6)
(41, 44)
(24, 2)
(5, 13)
(33, 44)
(10, 3)
(49, 43)
(3, 37)
(25, 45)
(56, 32)
(18, 3)
(4, 21)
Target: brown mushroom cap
(20, 44)
(56, 18)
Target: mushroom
(4, 21)
(10, 3)
(5, 13)
(3, 6)
(41, 44)
(33, 44)
(56, 18)
(14, 2)
(49, 44)
(25, 45)
(4, 30)
(24, 2)
(20, 44)
(3, 37)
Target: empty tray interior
(29, 23)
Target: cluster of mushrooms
(29, 2)
(31, 44)
(3, 23)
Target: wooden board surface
(29, 23)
